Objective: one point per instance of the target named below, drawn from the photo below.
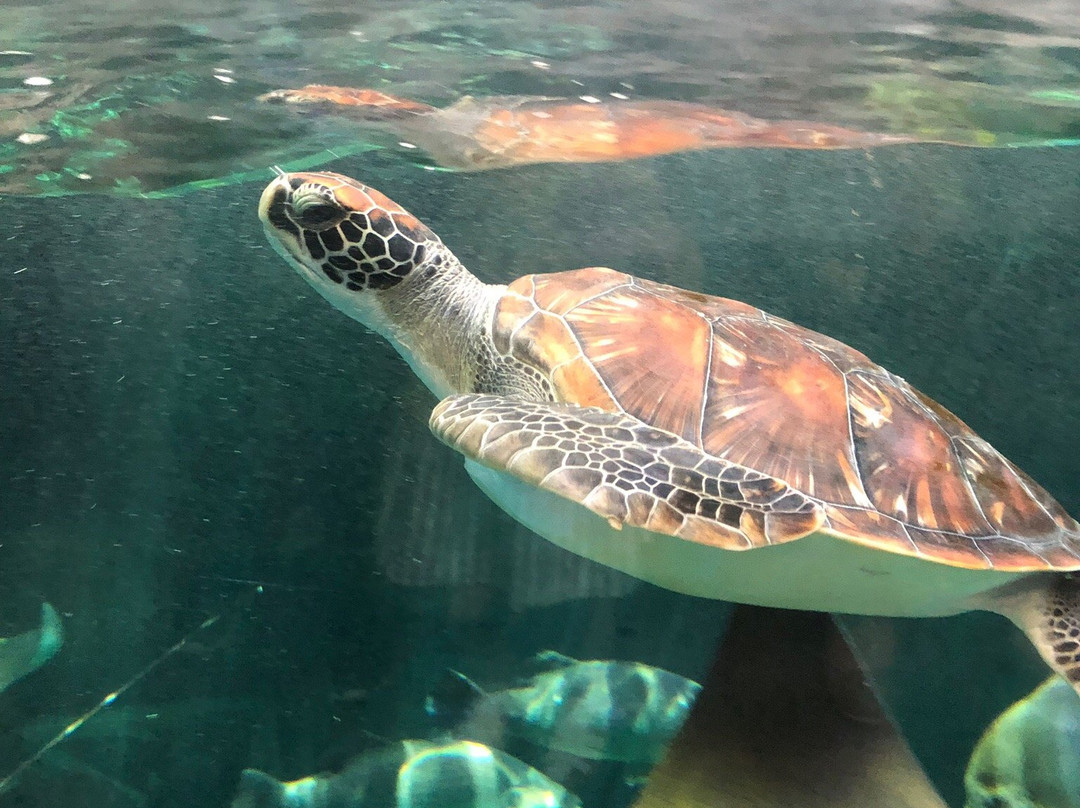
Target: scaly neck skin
(434, 318)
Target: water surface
(107, 96)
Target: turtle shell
(891, 468)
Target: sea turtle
(500, 131)
(691, 441)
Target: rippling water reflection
(136, 98)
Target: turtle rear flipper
(626, 471)
(1046, 607)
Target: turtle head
(370, 105)
(346, 239)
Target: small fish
(1030, 756)
(597, 709)
(413, 774)
(25, 653)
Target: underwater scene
(540, 404)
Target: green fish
(25, 653)
(1030, 756)
(413, 774)
(596, 709)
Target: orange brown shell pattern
(891, 468)
(513, 131)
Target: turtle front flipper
(626, 471)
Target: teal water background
(187, 430)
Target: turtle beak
(272, 201)
(281, 231)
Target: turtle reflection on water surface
(501, 131)
(692, 441)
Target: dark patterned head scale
(344, 231)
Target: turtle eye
(314, 211)
(318, 214)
